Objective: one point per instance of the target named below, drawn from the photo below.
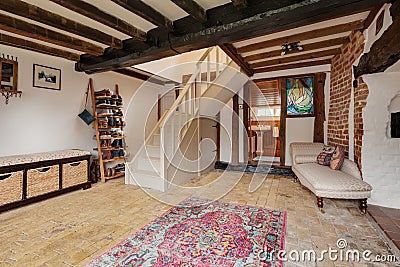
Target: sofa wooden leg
(320, 202)
(295, 178)
(363, 205)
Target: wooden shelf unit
(98, 129)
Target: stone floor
(72, 229)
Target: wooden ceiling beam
(231, 52)
(26, 29)
(38, 14)
(352, 26)
(294, 66)
(306, 47)
(33, 46)
(145, 11)
(239, 4)
(193, 9)
(291, 59)
(371, 17)
(226, 24)
(90, 11)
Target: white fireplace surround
(380, 153)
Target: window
(395, 125)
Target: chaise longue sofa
(345, 183)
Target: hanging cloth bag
(85, 114)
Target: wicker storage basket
(42, 180)
(75, 173)
(11, 187)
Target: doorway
(264, 124)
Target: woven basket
(75, 173)
(11, 187)
(42, 180)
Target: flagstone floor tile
(74, 228)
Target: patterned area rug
(203, 233)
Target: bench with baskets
(33, 177)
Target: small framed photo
(46, 77)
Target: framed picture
(46, 77)
(300, 96)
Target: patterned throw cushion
(337, 158)
(324, 158)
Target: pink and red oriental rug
(202, 233)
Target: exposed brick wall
(360, 101)
(340, 94)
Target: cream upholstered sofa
(324, 182)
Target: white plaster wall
(298, 130)
(381, 154)
(369, 33)
(46, 120)
(226, 132)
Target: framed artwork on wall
(46, 77)
(300, 96)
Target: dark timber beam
(96, 14)
(240, 4)
(226, 24)
(145, 11)
(385, 51)
(307, 47)
(32, 46)
(26, 29)
(38, 14)
(294, 66)
(347, 27)
(231, 52)
(193, 9)
(291, 59)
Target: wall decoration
(46, 77)
(300, 96)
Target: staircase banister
(185, 89)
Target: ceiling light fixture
(291, 47)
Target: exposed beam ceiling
(26, 29)
(193, 9)
(145, 11)
(226, 24)
(294, 66)
(38, 14)
(347, 27)
(306, 47)
(96, 14)
(240, 4)
(291, 59)
(33, 46)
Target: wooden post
(282, 129)
(235, 131)
(246, 109)
(319, 106)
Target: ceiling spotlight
(291, 47)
